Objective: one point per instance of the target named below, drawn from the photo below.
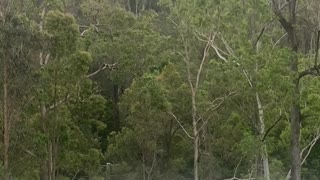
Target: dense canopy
(159, 89)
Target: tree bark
(194, 127)
(6, 120)
(129, 6)
(265, 158)
(196, 156)
(289, 27)
(44, 171)
(194, 115)
(144, 168)
(50, 160)
(295, 133)
(295, 106)
(264, 152)
(261, 125)
(194, 89)
(52, 148)
(195, 140)
(136, 8)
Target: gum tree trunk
(6, 120)
(288, 24)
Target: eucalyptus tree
(293, 26)
(18, 44)
(197, 26)
(147, 107)
(114, 36)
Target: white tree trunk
(264, 152)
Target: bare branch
(276, 12)
(182, 56)
(251, 174)
(43, 13)
(235, 178)
(215, 106)
(308, 147)
(176, 24)
(41, 59)
(218, 53)
(103, 67)
(231, 52)
(234, 175)
(185, 131)
(95, 26)
(273, 125)
(202, 126)
(152, 165)
(277, 42)
(29, 152)
(59, 103)
(203, 38)
(259, 37)
(83, 32)
(246, 74)
(46, 59)
(209, 41)
(205, 53)
(235, 171)
(229, 49)
(75, 175)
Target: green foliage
(156, 54)
(63, 33)
(123, 147)
(79, 63)
(146, 93)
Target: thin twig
(229, 49)
(75, 175)
(259, 37)
(246, 74)
(236, 170)
(277, 42)
(202, 126)
(310, 146)
(273, 125)
(152, 165)
(215, 106)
